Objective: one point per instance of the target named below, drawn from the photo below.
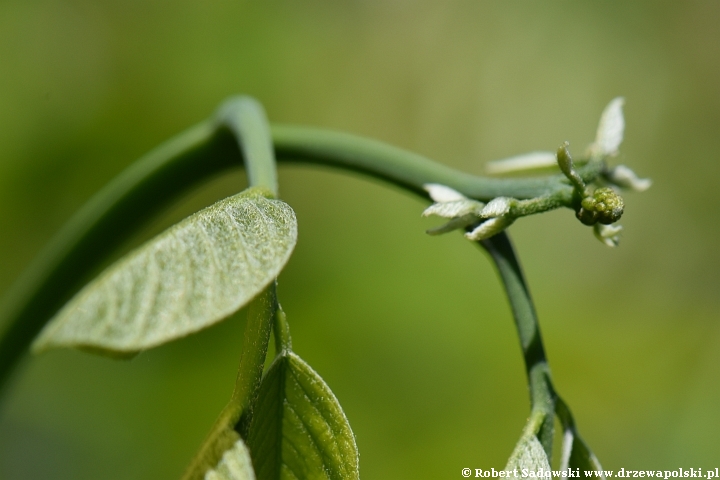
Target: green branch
(234, 420)
(119, 209)
(108, 219)
(542, 396)
(406, 169)
(246, 119)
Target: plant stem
(542, 396)
(405, 169)
(252, 358)
(281, 329)
(246, 119)
(234, 420)
(119, 209)
(101, 225)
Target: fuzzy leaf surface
(192, 275)
(529, 454)
(611, 128)
(298, 430)
(235, 464)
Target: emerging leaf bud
(565, 163)
(465, 213)
(564, 159)
(450, 203)
(455, 208)
(489, 228)
(623, 177)
(608, 234)
(497, 206)
(610, 130)
(527, 162)
(441, 193)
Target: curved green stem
(101, 225)
(246, 119)
(114, 213)
(406, 169)
(542, 396)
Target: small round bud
(588, 203)
(608, 205)
(603, 206)
(587, 216)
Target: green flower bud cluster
(594, 203)
(603, 206)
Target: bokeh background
(412, 332)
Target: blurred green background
(412, 332)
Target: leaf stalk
(542, 395)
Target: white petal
(519, 163)
(454, 209)
(441, 193)
(611, 129)
(623, 177)
(497, 207)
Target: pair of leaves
(189, 277)
(291, 424)
(298, 431)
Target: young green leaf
(610, 130)
(192, 275)
(529, 454)
(234, 465)
(576, 454)
(522, 163)
(298, 429)
(222, 440)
